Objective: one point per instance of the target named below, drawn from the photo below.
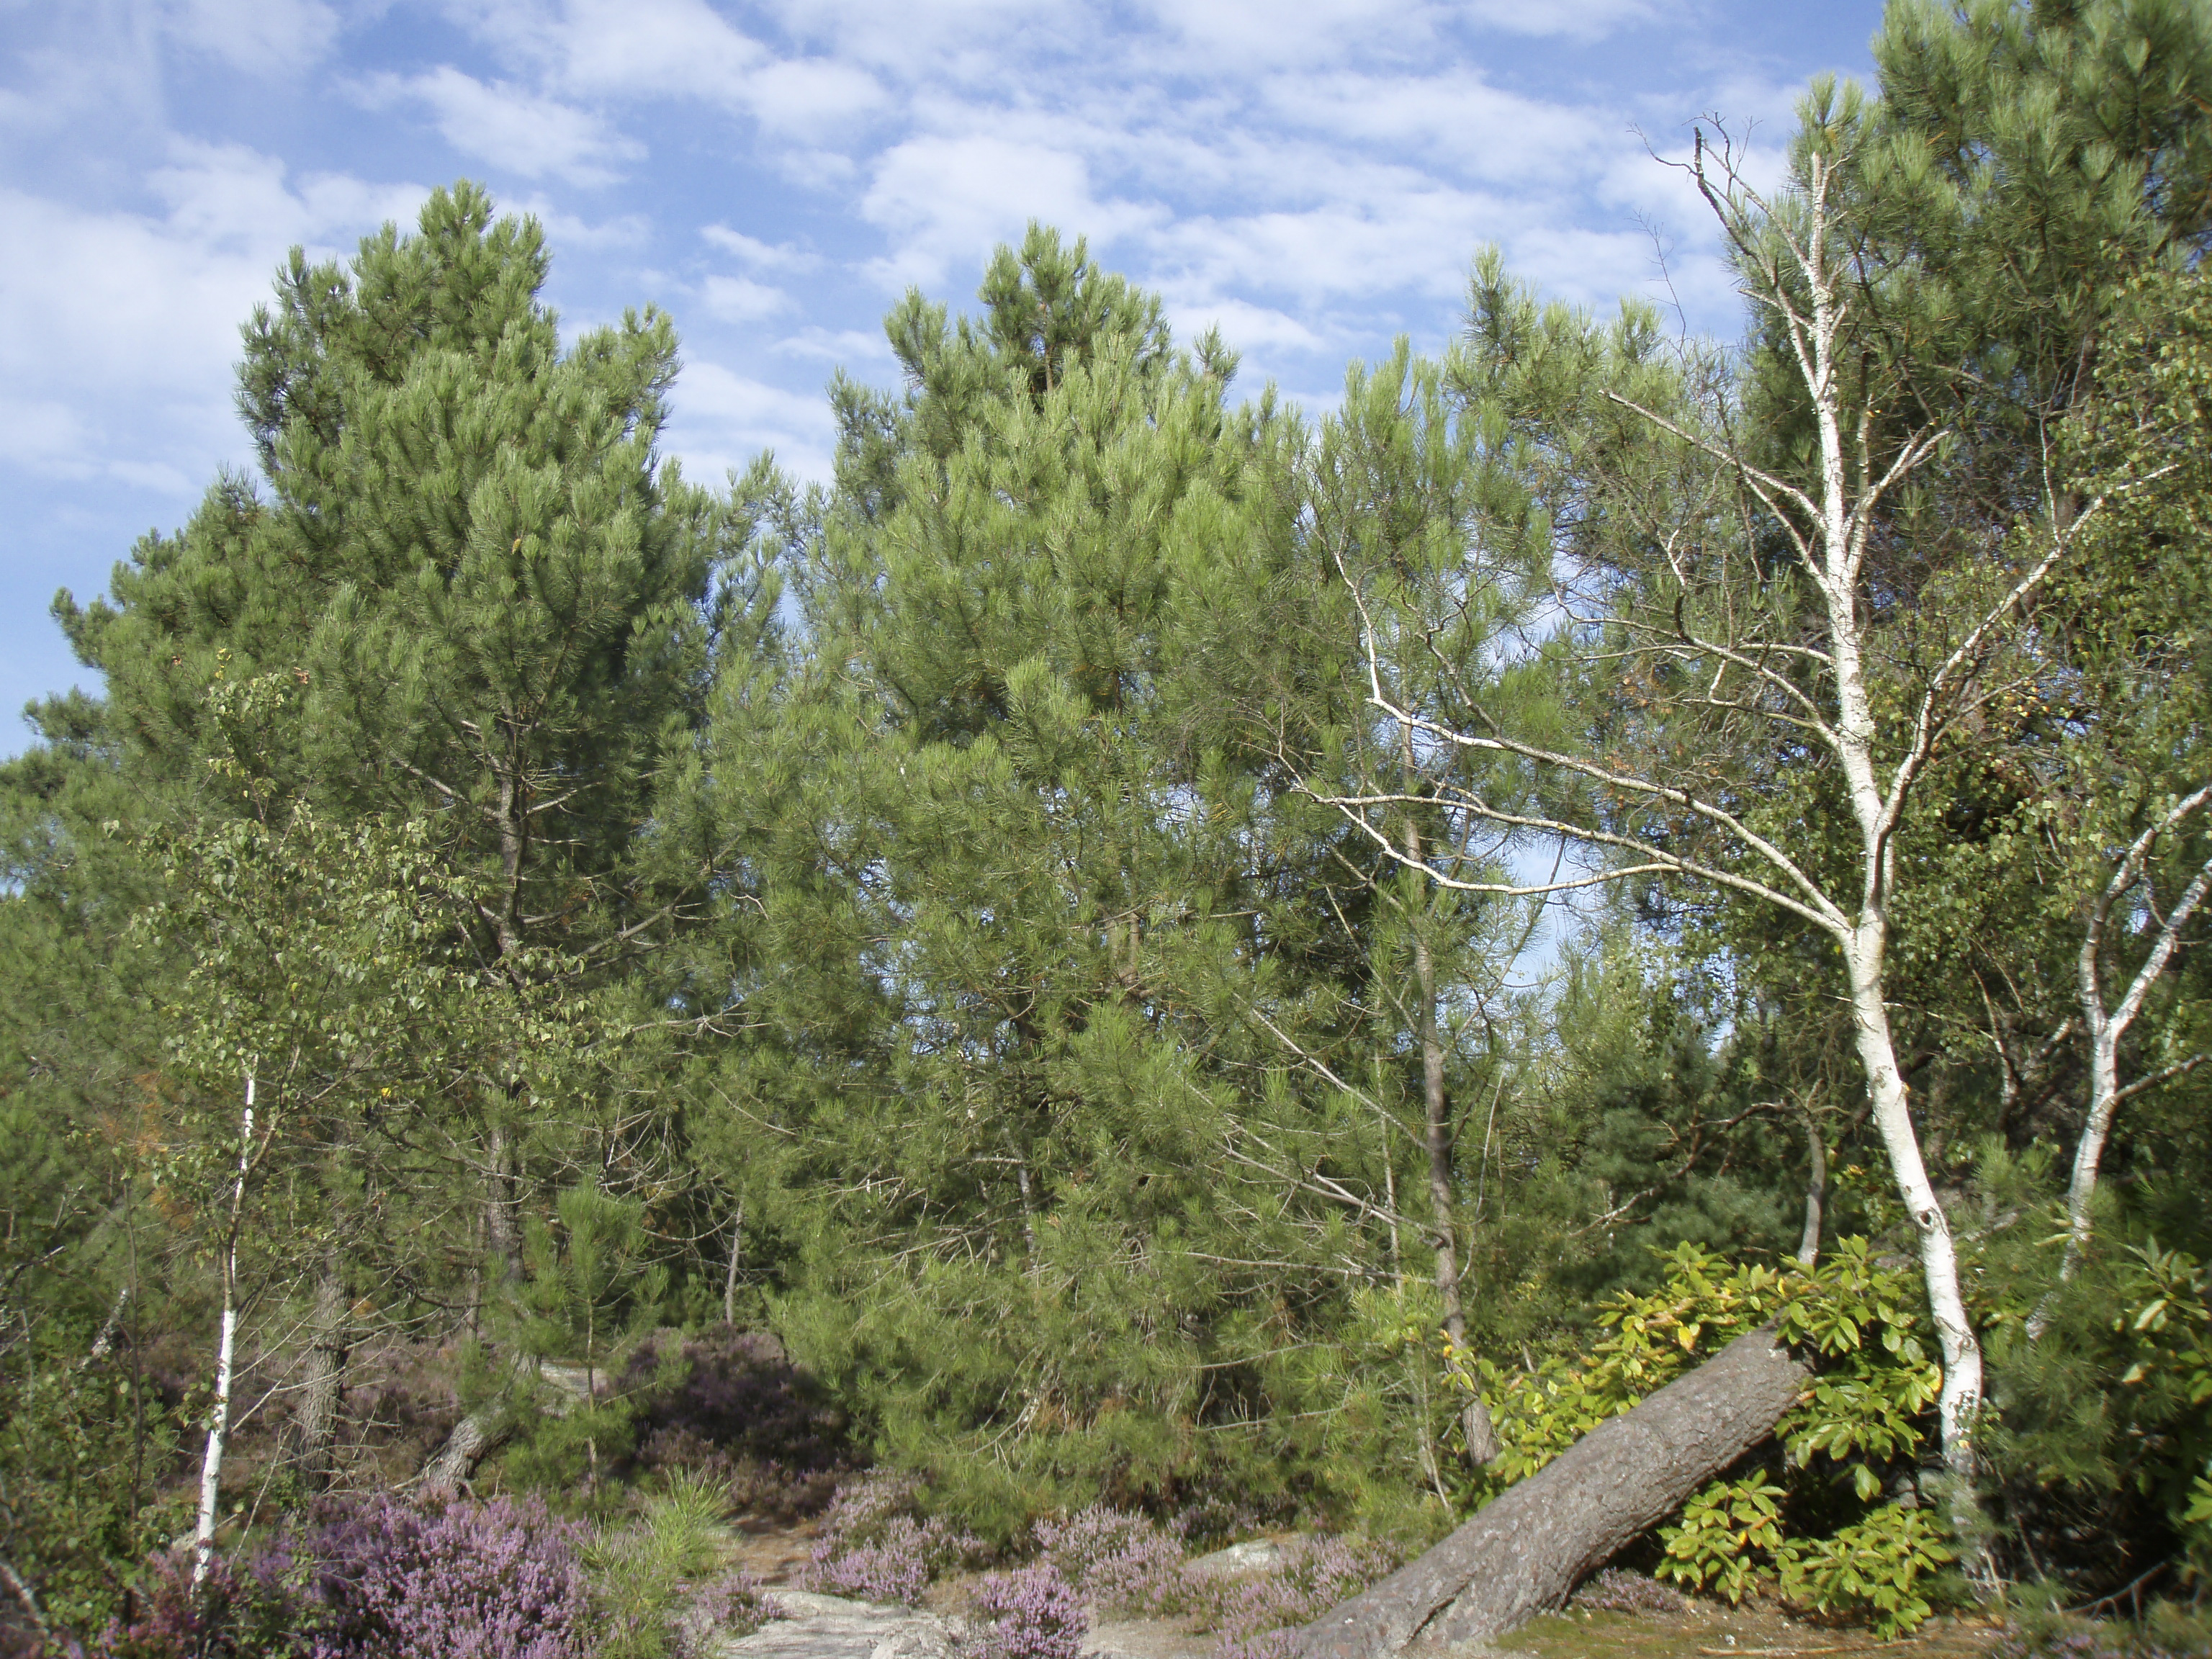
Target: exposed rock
(1253, 1555)
(807, 1625)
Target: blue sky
(1312, 175)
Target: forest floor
(776, 1553)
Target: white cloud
(944, 42)
(262, 37)
(644, 48)
(1292, 30)
(501, 124)
(1307, 31)
(1410, 235)
(757, 254)
(836, 345)
(813, 98)
(815, 169)
(1244, 327)
(1578, 20)
(651, 50)
(119, 331)
(1471, 128)
(720, 420)
(569, 231)
(952, 198)
(741, 299)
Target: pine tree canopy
(1265, 967)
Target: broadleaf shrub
(1873, 1568)
(1865, 1419)
(1728, 1539)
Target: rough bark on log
(451, 1465)
(1526, 1551)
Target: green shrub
(1805, 1526)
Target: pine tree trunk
(501, 1239)
(313, 1433)
(1435, 1105)
(1524, 1554)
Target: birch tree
(2140, 765)
(1766, 672)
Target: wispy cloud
(128, 321)
(947, 198)
(521, 133)
(759, 255)
(1310, 176)
(741, 300)
(262, 37)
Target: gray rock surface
(1253, 1555)
(811, 1626)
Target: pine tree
(493, 609)
(1012, 1180)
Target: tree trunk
(502, 1235)
(1437, 1139)
(449, 1467)
(1816, 1193)
(1525, 1553)
(2107, 1027)
(737, 1261)
(218, 1435)
(313, 1433)
(1939, 1257)
(1035, 1268)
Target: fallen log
(446, 1474)
(1526, 1551)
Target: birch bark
(218, 1434)
(2108, 1026)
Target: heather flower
(874, 1546)
(493, 1580)
(1031, 1613)
(1259, 1617)
(1117, 1561)
(731, 1606)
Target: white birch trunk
(2089, 1152)
(2108, 1027)
(1939, 1257)
(1877, 811)
(226, 1349)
